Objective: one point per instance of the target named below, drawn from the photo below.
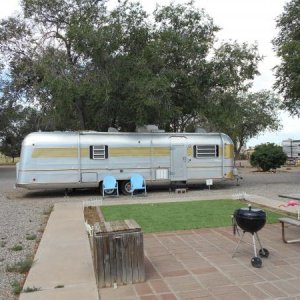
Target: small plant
(31, 237)
(16, 287)
(21, 267)
(41, 229)
(17, 248)
(31, 289)
(48, 211)
(60, 286)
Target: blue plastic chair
(137, 183)
(109, 186)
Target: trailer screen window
(206, 151)
(99, 152)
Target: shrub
(268, 156)
(31, 237)
(21, 267)
(17, 248)
(16, 287)
(31, 289)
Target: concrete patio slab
(198, 264)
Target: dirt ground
(91, 215)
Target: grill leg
(239, 242)
(263, 252)
(257, 237)
(254, 245)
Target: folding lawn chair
(109, 186)
(137, 183)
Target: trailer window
(99, 152)
(206, 151)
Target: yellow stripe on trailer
(54, 152)
(228, 151)
(229, 175)
(113, 152)
(138, 151)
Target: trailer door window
(99, 152)
(206, 151)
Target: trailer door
(178, 160)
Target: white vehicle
(82, 159)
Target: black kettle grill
(250, 220)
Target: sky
(242, 21)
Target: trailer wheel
(107, 192)
(125, 187)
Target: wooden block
(181, 191)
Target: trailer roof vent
(112, 129)
(200, 130)
(149, 128)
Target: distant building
(291, 148)
(247, 152)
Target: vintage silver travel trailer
(81, 159)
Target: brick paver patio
(198, 264)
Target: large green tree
(16, 122)
(86, 67)
(243, 116)
(183, 37)
(44, 65)
(287, 45)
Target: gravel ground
(270, 185)
(21, 224)
(24, 214)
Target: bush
(21, 267)
(17, 248)
(268, 156)
(16, 287)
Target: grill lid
(250, 213)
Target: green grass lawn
(180, 215)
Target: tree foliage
(287, 45)
(85, 67)
(244, 116)
(15, 123)
(268, 156)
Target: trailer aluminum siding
(82, 159)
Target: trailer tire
(107, 192)
(125, 187)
